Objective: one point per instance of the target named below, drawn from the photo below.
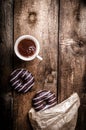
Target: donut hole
(22, 81)
(45, 102)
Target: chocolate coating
(21, 80)
(43, 99)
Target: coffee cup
(27, 48)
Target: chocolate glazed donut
(21, 80)
(44, 99)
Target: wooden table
(60, 27)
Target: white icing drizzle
(35, 103)
(52, 99)
(51, 95)
(15, 82)
(25, 85)
(28, 88)
(25, 73)
(39, 106)
(13, 72)
(42, 95)
(28, 82)
(17, 86)
(16, 75)
(28, 76)
(52, 104)
(41, 91)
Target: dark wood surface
(6, 52)
(72, 53)
(36, 18)
(60, 27)
(72, 48)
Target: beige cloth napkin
(63, 116)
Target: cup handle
(39, 57)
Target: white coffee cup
(29, 58)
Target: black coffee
(27, 47)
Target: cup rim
(26, 37)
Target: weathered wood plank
(6, 43)
(72, 50)
(40, 19)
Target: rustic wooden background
(60, 27)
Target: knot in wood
(78, 48)
(50, 79)
(32, 17)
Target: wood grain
(60, 27)
(40, 19)
(6, 43)
(72, 51)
